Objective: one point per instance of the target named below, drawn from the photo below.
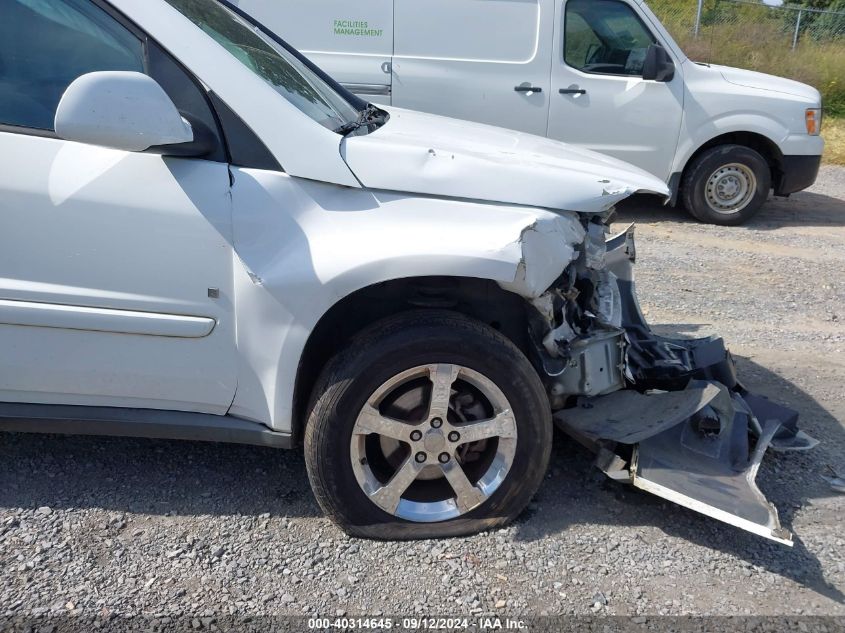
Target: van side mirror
(658, 66)
(122, 110)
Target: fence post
(698, 13)
(797, 29)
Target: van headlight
(813, 119)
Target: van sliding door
(481, 60)
(352, 42)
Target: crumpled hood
(429, 154)
(762, 81)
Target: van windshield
(288, 75)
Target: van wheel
(427, 425)
(726, 185)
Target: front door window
(605, 37)
(45, 45)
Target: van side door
(485, 61)
(352, 42)
(599, 98)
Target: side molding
(71, 317)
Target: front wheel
(427, 425)
(726, 185)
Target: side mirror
(121, 110)
(658, 66)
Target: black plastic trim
(191, 99)
(28, 131)
(798, 173)
(244, 147)
(674, 187)
(146, 423)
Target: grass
(833, 131)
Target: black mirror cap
(658, 66)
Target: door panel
(107, 258)
(106, 261)
(599, 99)
(475, 60)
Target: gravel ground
(100, 527)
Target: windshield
(288, 75)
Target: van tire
(726, 176)
(391, 348)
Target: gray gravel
(102, 527)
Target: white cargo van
(602, 74)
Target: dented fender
(303, 246)
(669, 416)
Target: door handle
(527, 89)
(572, 91)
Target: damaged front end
(666, 415)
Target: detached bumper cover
(679, 424)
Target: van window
(605, 37)
(471, 30)
(45, 45)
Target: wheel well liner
(479, 299)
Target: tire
(427, 342)
(732, 197)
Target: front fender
(304, 245)
(733, 123)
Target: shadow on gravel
(801, 209)
(576, 493)
(156, 477)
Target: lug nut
(444, 457)
(420, 457)
(437, 423)
(415, 436)
(454, 436)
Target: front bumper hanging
(668, 416)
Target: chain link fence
(788, 25)
(792, 23)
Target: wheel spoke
(431, 436)
(467, 496)
(503, 425)
(371, 421)
(389, 495)
(442, 376)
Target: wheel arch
(481, 299)
(760, 143)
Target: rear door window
(46, 44)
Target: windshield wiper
(368, 116)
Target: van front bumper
(798, 173)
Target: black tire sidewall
(696, 179)
(373, 360)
